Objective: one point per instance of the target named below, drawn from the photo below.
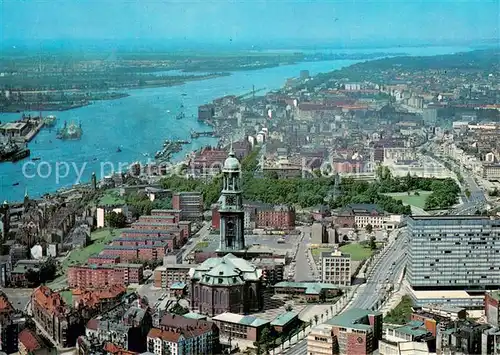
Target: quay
(195, 134)
(23, 130)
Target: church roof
(228, 270)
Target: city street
(303, 270)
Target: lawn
(111, 198)
(99, 239)
(357, 251)
(412, 199)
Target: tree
(116, 220)
(369, 228)
(373, 245)
(467, 193)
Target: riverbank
(18, 107)
(139, 124)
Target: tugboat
(70, 132)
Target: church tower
(232, 237)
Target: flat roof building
(453, 253)
(336, 268)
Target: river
(139, 124)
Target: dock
(195, 134)
(23, 130)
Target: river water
(139, 124)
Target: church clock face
(230, 200)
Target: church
(228, 283)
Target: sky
(250, 21)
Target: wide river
(140, 123)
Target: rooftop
(284, 318)
(355, 318)
(413, 328)
(240, 319)
(311, 288)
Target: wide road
(303, 271)
(385, 271)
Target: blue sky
(250, 21)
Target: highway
(386, 270)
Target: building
(309, 291)
(190, 204)
(414, 331)
(361, 215)
(280, 217)
(353, 332)
(336, 268)
(226, 284)
(104, 275)
(322, 341)
(236, 326)
(273, 270)
(93, 302)
(453, 253)
(285, 322)
(10, 322)
(184, 336)
(491, 171)
(126, 326)
(30, 343)
(431, 316)
(60, 321)
(491, 309)
(166, 275)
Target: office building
(453, 253)
(336, 268)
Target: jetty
(195, 134)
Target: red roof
(5, 305)
(30, 340)
(167, 335)
(91, 298)
(49, 300)
(116, 350)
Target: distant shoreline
(74, 105)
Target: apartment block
(336, 268)
(165, 276)
(453, 253)
(95, 276)
(190, 204)
(276, 217)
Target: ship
(50, 121)
(11, 151)
(70, 132)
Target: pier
(195, 134)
